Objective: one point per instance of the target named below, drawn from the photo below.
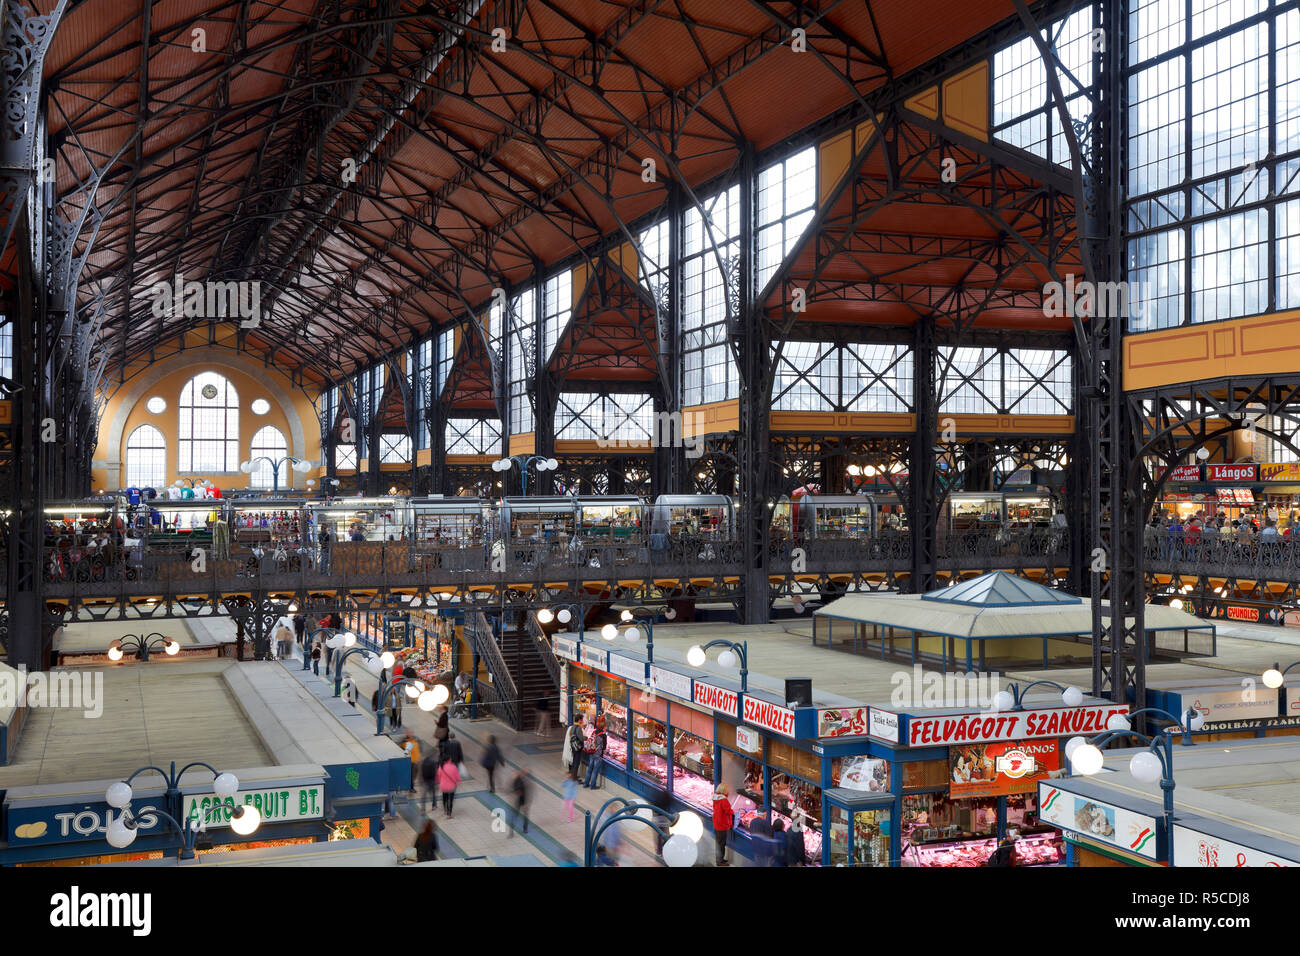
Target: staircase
(533, 678)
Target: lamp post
(121, 832)
(298, 464)
(543, 464)
(1274, 678)
(1154, 763)
(698, 654)
(426, 698)
(349, 648)
(680, 833)
(563, 613)
(142, 645)
(633, 632)
(1013, 698)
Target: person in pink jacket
(448, 780)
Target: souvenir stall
(433, 638)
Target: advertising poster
(865, 773)
(992, 770)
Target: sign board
(1237, 613)
(276, 805)
(564, 697)
(995, 770)
(1134, 832)
(844, 722)
(565, 648)
(717, 698)
(1014, 725)
(1196, 849)
(1181, 473)
(1293, 701)
(882, 724)
(749, 740)
(670, 682)
(1251, 702)
(1242, 471)
(626, 667)
(594, 657)
(75, 823)
(1280, 471)
(773, 717)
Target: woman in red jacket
(723, 819)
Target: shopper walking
(350, 689)
(660, 801)
(300, 628)
(569, 790)
(490, 760)
(448, 781)
(723, 819)
(315, 657)
(395, 708)
(595, 752)
(543, 717)
(794, 845)
(519, 787)
(426, 844)
(429, 774)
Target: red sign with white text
(716, 698)
(772, 717)
(1014, 725)
(1244, 471)
(1182, 473)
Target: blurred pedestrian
(519, 787)
(429, 774)
(426, 844)
(448, 781)
(569, 790)
(490, 760)
(543, 717)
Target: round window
(260, 406)
(157, 404)
(209, 392)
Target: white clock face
(209, 391)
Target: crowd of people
(1170, 537)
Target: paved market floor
(479, 825)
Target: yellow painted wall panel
(1259, 345)
(966, 101)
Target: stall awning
(996, 617)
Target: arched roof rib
(475, 168)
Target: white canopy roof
(923, 614)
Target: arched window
(208, 425)
(268, 442)
(146, 458)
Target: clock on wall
(209, 391)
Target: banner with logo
(1121, 828)
(1280, 471)
(1181, 473)
(842, 722)
(1196, 849)
(995, 770)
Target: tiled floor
(480, 822)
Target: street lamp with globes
(1154, 763)
(1274, 678)
(699, 654)
(298, 464)
(541, 462)
(122, 830)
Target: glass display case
(693, 770)
(615, 731)
(1029, 511)
(1037, 849)
(650, 749)
(858, 829)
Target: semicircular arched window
(268, 442)
(208, 427)
(146, 458)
